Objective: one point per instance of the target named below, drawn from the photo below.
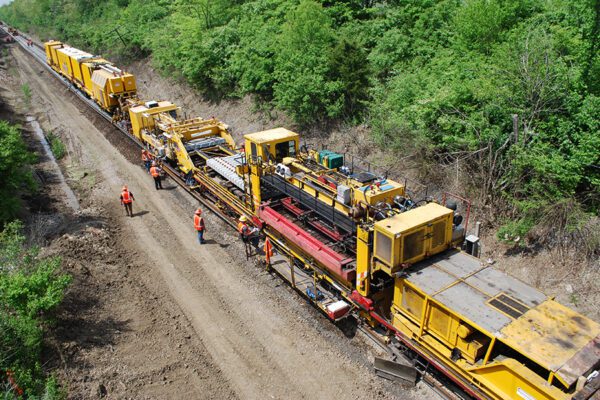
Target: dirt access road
(184, 321)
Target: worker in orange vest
(155, 172)
(127, 200)
(243, 228)
(199, 225)
(248, 235)
(268, 249)
(146, 159)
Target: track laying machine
(353, 241)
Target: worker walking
(199, 225)
(155, 172)
(127, 200)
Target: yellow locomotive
(350, 239)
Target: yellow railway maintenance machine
(93, 75)
(350, 239)
(398, 260)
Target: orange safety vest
(243, 228)
(268, 249)
(154, 172)
(198, 223)
(126, 197)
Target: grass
(80, 179)
(574, 299)
(56, 145)
(26, 93)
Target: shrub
(30, 289)
(26, 93)
(15, 173)
(56, 145)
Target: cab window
(285, 149)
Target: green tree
(252, 62)
(350, 67)
(302, 66)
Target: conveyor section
(203, 143)
(225, 166)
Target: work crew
(199, 225)
(155, 172)
(147, 160)
(127, 200)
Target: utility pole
(116, 30)
(515, 118)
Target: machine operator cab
(271, 146)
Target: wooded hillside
(510, 87)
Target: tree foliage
(302, 65)
(30, 288)
(446, 77)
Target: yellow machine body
(412, 236)
(264, 148)
(64, 61)
(274, 145)
(50, 49)
(373, 194)
(143, 117)
(159, 124)
(493, 329)
(105, 87)
(87, 70)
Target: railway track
(429, 372)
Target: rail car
(96, 77)
(353, 241)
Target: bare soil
(151, 313)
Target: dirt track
(154, 315)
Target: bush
(56, 145)
(515, 231)
(302, 87)
(30, 289)
(26, 93)
(15, 172)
